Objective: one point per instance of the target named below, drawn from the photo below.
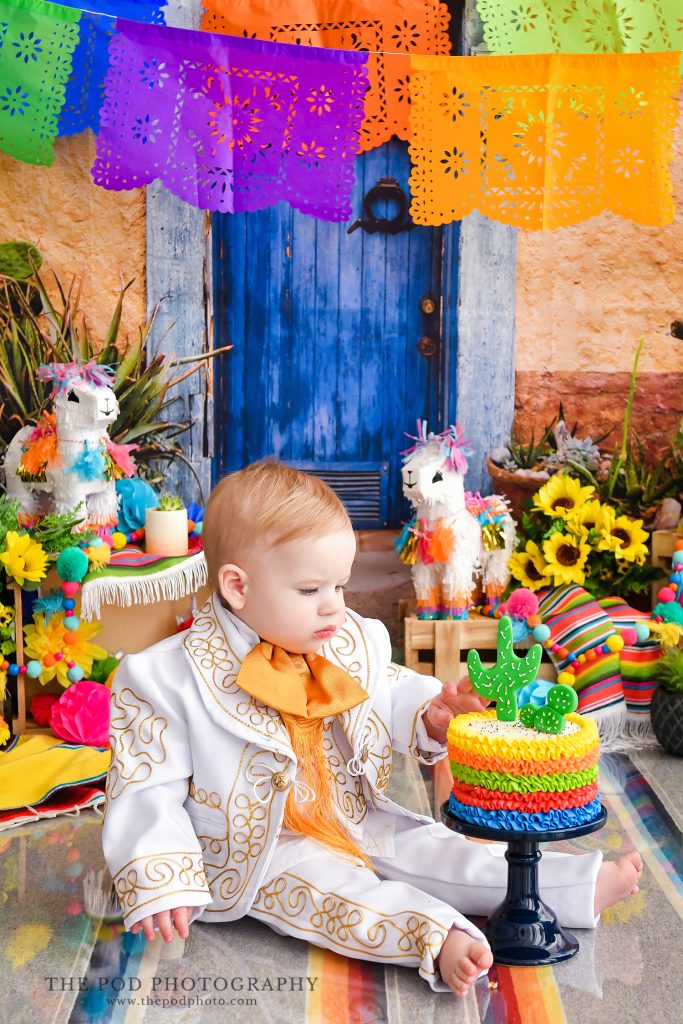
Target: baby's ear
(232, 583)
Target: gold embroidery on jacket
(155, 874)
(238, 838)
(348, 926)
(413, 748)
(209, 649)
(136, 740)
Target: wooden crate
(436, 647)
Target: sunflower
(625, 537)
(528, 567)
(566, 557)
(6, 615)
(52, 638)
(591, 516)
(24, 559)
(562, 496)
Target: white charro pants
(401, 912)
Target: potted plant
(166, 527)
(666, 711)
(518, 469)
(570, 537)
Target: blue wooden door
(338, 347)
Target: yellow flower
(566, 557)
(4, 732)
(562, 496)
(6, 614)
(42, 639)
(666, 633)
(528, 567)
(23, 558)
(591, 516)
(625, 537)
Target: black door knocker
(389, 190)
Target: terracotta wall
(79, 228)
(585, 295)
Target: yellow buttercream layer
(470, 733)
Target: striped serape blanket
(615, 688)
(134, 577)
(41, 776)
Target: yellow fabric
(543, 141)
(39, 764)
(305, 689)
(398, 28)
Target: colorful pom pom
(643, 630)
(665, 595)
(72, 565)
(615, 643)
(34, 669)
(629, 636)
(541, 633)
(521, 603)
(565, 679)
(75, 674)
(118, 540)
(72, 623)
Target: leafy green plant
(631, 481)
(36, 330)
(668, 671)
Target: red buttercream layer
(486, 763)
(492, 800)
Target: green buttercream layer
(554, 783)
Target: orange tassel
(442, 542)
(42, 451)
(317, 818)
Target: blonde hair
(267, 503)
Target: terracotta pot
(519, 487)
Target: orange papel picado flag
(543, 141)
(390, 31)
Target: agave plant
(35, 330)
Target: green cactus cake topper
(550, 716)
(510, 673)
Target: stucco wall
(78, 228)
(585, 295)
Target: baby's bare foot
(617, 880)
(461, 960)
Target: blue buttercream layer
(517, 821)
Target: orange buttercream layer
(490, 800)
(514, 766)
(467, 732)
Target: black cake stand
(523, 931)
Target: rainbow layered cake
(507, 775)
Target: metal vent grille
(362, 488)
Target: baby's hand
(165, 919)
(454, 699)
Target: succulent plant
(170, 503)
(668, 671)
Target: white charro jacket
(201, 770)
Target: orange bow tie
(305, 689)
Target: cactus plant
(550, 716)
(510, 673)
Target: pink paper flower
(81, 715)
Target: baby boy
(252, 753)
